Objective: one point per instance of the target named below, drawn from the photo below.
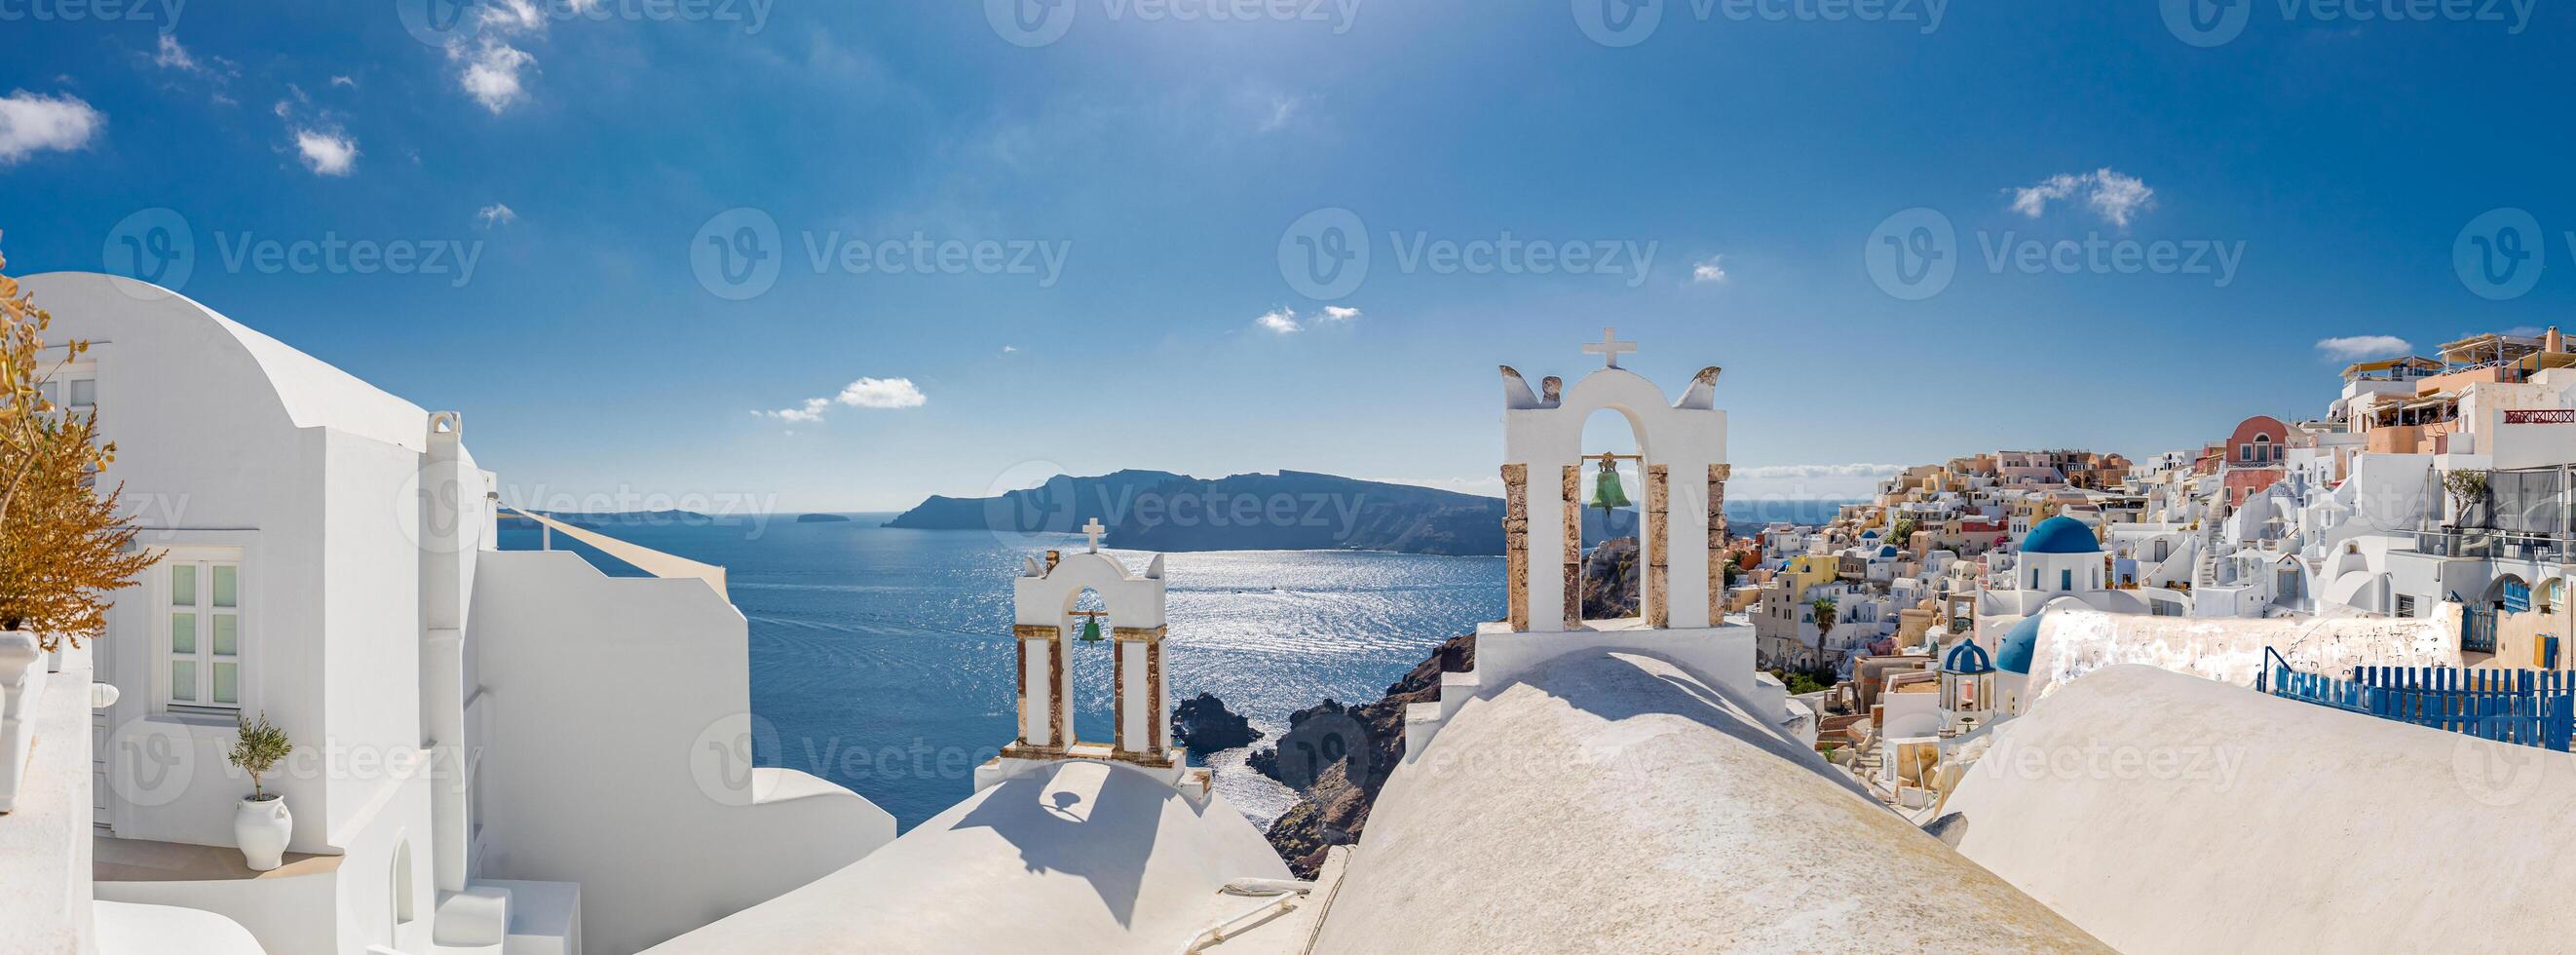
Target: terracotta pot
(261, 826)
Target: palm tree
(1825, 610)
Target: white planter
(261, 827)
(22, 682)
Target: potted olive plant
(261, 823)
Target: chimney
(1052, 557)
(2553, 342)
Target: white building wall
(617, 710)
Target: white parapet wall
(44, 838)
(2074, 642)
(618, 714)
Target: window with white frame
(201, 631)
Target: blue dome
(1968, 658)
(2061, 535)
(2020, 644)
(1888, 550)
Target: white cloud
(491, 73)
(2363, 347)
(1281, 320)
(1779, 471)
(811, 411)
(495, 214)
(327, 153)
(2117, 198)
(882, 393)
(172, 56)
(1337, 313)
(1282, 109)
(1010, 349)
(31, 123)
(1711, 269)
(344, 81)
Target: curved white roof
(1077, 857)
(1610, 802)
(2259, 824)
(312, 393)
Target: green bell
(1091, 628)
(1606, 492)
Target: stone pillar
(1572, 568)
(1655, 531)
(1143, 714)
(1717, 475)
(1516, 563)
(1041, 717)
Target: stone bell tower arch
(1684, 468)
(1044, 626)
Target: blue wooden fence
(2524, 707)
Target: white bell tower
(1045, 625)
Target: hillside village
(2432, 488)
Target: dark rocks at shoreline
(1610, 580)
(1203, 725)
(1360, 746)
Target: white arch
(1683, 439)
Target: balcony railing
(2494, 545)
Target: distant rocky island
(1290, 510)
(821, 518)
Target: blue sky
(1110, 214)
